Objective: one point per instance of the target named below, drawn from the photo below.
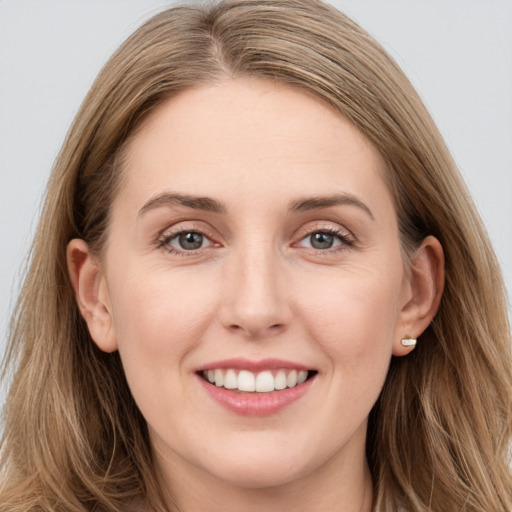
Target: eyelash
(164, 242)
(346, 241)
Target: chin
(260, 470)
(263, 476)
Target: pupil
(322, 240)
(191, 241)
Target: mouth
(255, 388)
(265, 381)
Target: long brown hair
(439, 434)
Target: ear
(91, 294)
(424, 288)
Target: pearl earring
(409, 342)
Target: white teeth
(302, 376)
(280, 380)
(246, 381)
(230, 380)
(219, 378)
(262, 382)
(291, 380)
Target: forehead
(251, 135)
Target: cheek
(158, 317)
(350, 317)
(159, 303)
(353, 316)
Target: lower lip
(255, 404)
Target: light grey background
(458, 53)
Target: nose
(256, 303)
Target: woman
(252, 221)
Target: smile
(266, 381)
(255, 388)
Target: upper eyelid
(328, 226)
(191, 226)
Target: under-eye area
(266, 381)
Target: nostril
(237, 328)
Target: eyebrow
(212, 205)
(206, 204)
(317, 203)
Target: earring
(409, 342)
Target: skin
(257, 288)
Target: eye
(188, 241)
(184, 241)
(323, 240)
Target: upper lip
(239, 363)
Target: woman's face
(253, 242)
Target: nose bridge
(255, 302)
